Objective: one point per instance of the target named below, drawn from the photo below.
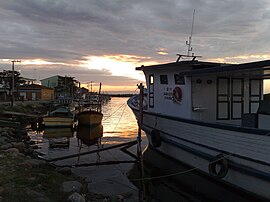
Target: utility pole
(13, 82)
(91, 86)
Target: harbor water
(165, 180)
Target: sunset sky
(104, 40)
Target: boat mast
(188, 43)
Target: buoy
(177, 94)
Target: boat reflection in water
(168, 180)
(89, 135)
(58, 137)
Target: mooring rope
(186, 171)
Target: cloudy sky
(104, 40)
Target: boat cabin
(210, 92)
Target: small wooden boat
(61, 117)
(89, 117)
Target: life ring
(155, 138)
(222, 162)
(177, 94)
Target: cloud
(67, 31)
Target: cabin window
(151, 91)
(151, 79)
(180, 80)
(163, 79)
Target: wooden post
(139, 139)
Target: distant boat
(61, 117)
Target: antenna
(190, 37)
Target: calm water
(120, 125)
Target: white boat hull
(196, 144)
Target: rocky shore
(24, 177)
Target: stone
(35, 162)
(3, 140)
(76, 197)
(6, 146)
(4, 133)
(38, 196)
(12, 150)
(71, 186)
(19, 145)
(65, 171)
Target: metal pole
(139, 148)
(13, 82)
(12, 95)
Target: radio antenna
(188, 43)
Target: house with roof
(35, 92)
(64, 86)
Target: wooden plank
(90, 152)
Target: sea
(115, 173)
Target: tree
(6, 79)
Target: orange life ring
(177, 94)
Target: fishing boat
(61, 117)
(210, 116)
(91, 115)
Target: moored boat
(89, 117)
(61, 117)
(211, 116)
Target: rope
(186, 171)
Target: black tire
(224, 166)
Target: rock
(6, 146)
(12, 150)
(76, 197)
(71, 186)
(19, 145)
(4, 133)
(3, 140)
(1, 190)
(26, 164)
(35, 162)
(65, 171)
(39, 197)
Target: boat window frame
(179, 80)
(163, 79)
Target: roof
(194, 64)
(34, 86)
(189, 68)
(49, 77)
